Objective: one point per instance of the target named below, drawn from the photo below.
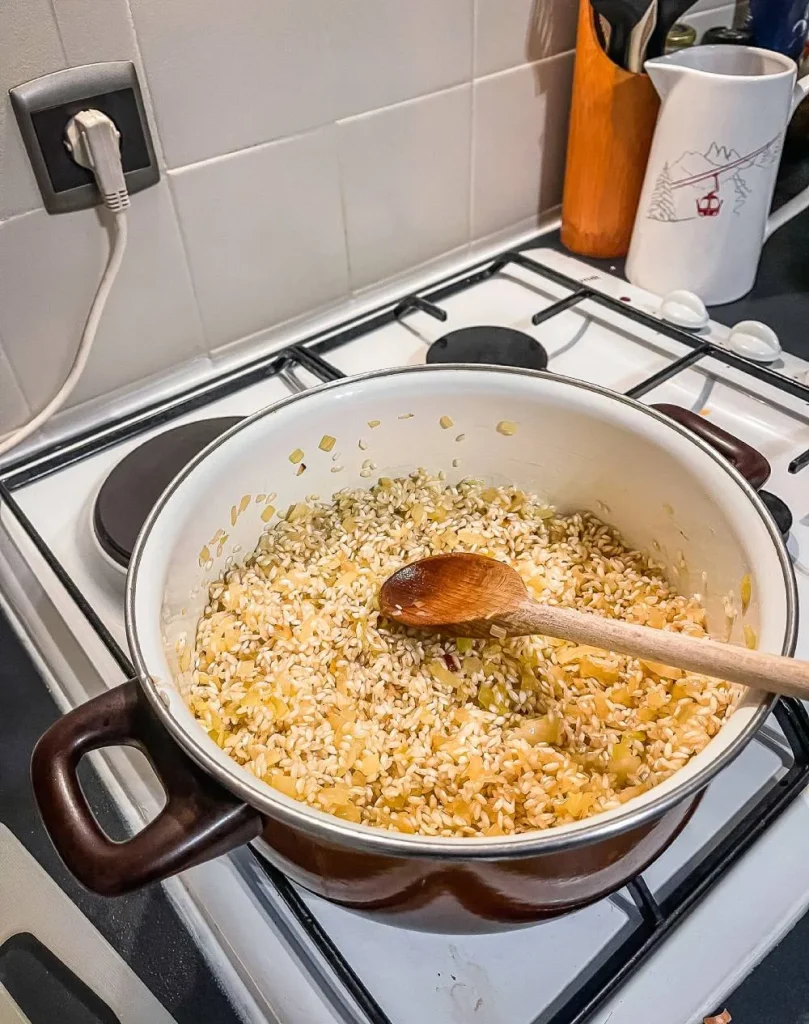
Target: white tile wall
(264, 233)
(518, 157)
(15, 408)
(49, 268)
(513, 32)
(226, 76)
(29, 46)
(386, 51)
(309, 149)
(405, 175)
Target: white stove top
(258, 947)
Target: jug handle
(799, 202)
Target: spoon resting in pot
(469, 595)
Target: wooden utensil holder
(612, 121)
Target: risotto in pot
(299, 678)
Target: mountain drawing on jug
(709, 184)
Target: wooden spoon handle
(769, 672)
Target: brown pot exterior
(202, 820)
(473, 895)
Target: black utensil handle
(618, 45)
(200, 821)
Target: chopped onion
(623, 762)
(439, 671)
(746, 591)
(283, 783)
(546, 729)
(664, 671)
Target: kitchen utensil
(702, 217)
(780, 25)
(612, 121)
(665, 489)
(623, 17)
(602, 29)
(468, 595)
(669, 13)
(639, 40)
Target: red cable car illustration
(710, 204)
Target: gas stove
(681, 936)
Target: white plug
(93, 141)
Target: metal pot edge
(321, 825)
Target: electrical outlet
(43, 108)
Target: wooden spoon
(468, 595)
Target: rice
(297, 676)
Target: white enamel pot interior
(578, 446)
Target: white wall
(309, 149)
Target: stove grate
(656, 917)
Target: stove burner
(131, 490)
(499, 346)
(778, 510)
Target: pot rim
(322, 825)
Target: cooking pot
(581, 447)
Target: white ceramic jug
(702, 218)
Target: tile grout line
(145, 84)
(18, 216)
(526, 64)
(193, 164)
(343, 208)
(232, 154)
(62, 47)
(187, 259)
(161, 152)
(28, 410)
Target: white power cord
(94, 142)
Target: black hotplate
(498, 346)
(131, 490)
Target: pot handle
(749, 462)
(201, 820)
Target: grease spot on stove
(473, 996)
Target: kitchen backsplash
(309, 150)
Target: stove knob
(684, 309)
(755, 341)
